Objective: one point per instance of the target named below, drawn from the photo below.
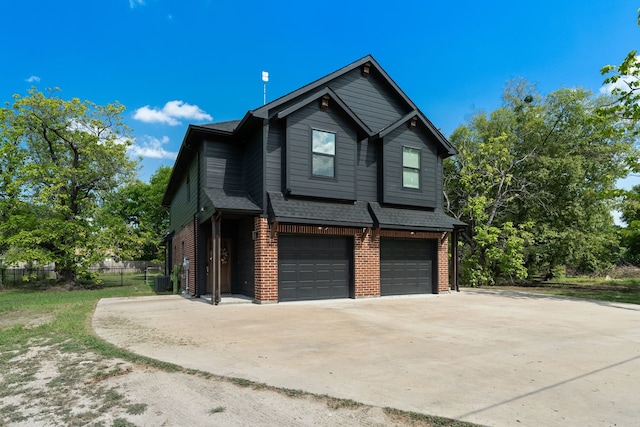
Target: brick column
(266, 263)
(184, 242)
(367, 265)
(443, 263)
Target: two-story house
(331, 191)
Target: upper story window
(410, 167)
(323, 153)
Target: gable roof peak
(367, 62)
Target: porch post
(215, 262)
(454, 258)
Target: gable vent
(324, 102)
(366, 68)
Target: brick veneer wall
(366, 256)
(185, 235)
(367, 264)
(266, 263)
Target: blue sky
(175, 62)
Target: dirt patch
(27, 319)
(42, 385)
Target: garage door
(407, 266)
(314, 267)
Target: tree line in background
(534, 180)
(68, 192)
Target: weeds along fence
(103, 274)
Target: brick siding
(184, 246)
(367, 264)
(366, 256)
(266, 262)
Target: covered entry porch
(226, 248)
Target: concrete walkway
(494, 358)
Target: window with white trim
(323, 153)
(410, 167)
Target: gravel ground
(44, 385)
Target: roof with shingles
(228, 126)
(297, 211)
(268, 109)
(223, 200)
(411, 219)
(357, 214)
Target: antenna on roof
(265, 79)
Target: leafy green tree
(630, 210)
(624, 79)
(64, 157)
(480, 185)
(11, 157)
(540, 171)
(575, 167)
(146, 221)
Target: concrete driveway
(494, 358)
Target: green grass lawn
(614, 290)
(69, 313)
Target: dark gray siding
(393, 192)
(223, 166)
(184, 206)
(204, 233)
(299, 179)
(367, 170)
(439, 184)
(253, 169)
(274, 158)
(370, 98)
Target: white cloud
(33, 79)
(134, 3)
(151, 147)
(171, 113)
(622, 84)
(623, 81)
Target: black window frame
(333, 156)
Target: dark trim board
(314, 267)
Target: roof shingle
(385, 217)
(323, 213)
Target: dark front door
(210, 266)
(407, 266)
(225, 266)
(314, 267)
